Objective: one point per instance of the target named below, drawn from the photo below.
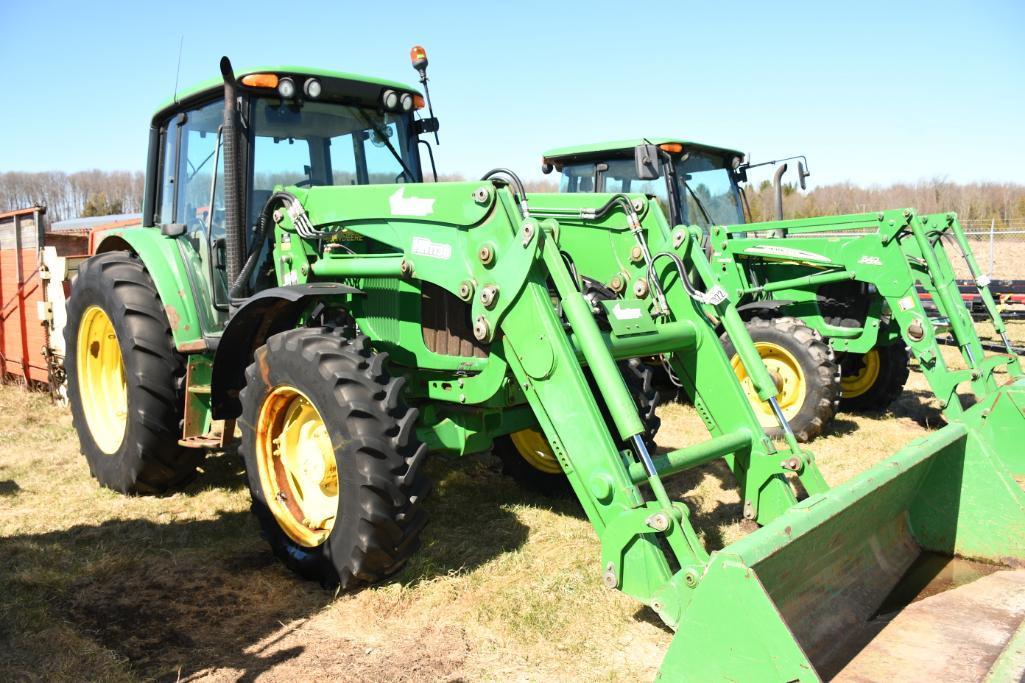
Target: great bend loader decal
(785, 252)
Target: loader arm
(895, 252)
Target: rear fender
(164, 263)
(264, 314)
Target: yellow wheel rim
(789, 377)
(101, 380)
(535, 449)
(296, 461)
(857, 383)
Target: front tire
(874, 380)
(125, 378)
(804, 368)
(527, 456)
(331, 457)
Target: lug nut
(528, 234)
(466, 291)
(616, 284)
(636, 254)
(406, 268)
(488, 296)
(480, 328)
(641, 289)
(486, 255)
(792, 464)
(658, 521)
(481, 195)
(609, 577)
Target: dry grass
(99, 586)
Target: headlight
(407, 101)
(312, 88)
(286, 88)
(390, 99)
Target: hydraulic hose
(520, 189)
(235, 293)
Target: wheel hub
(297, 466)
(101, 380)
(535, 449)
(786, 373)
(860, 374)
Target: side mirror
(428, 125)
(802, 173)
(646, 162)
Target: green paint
(767, 607)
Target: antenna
(178, 69)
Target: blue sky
(873, 92)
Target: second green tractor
(834, 304)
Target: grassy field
(95, 585)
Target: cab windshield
(321, 143)
(712, 196)
(707, 192)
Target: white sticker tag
(906, 304)
(401, 205)
(982, 281)
(715, 296)
(626, 313)
(424, 247)
(870, 261)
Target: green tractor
(293, 275)
(832, 303)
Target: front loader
(296, 276)
(854, 282)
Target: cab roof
(596, 149)
(209, 87)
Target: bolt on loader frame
(854, 279)
(352, 327)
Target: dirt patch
(507, 585)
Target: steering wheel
(305, 182)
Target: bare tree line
(1003, 203)
(65, 194)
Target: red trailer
(23, 338)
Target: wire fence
(999, 250)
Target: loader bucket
(826, 589)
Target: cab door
(191, 204)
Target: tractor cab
(292, 127)
(694, 184)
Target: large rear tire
(872, 381)
(804, 368)
(527, 456)
(125, 378)
(331, 457)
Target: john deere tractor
(295, 275)
(834, 303)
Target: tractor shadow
(169, 600)
(180, 600)
(9, 487)
(920, 406)
(220, 470)
(838, 426)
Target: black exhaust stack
(233, 227)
